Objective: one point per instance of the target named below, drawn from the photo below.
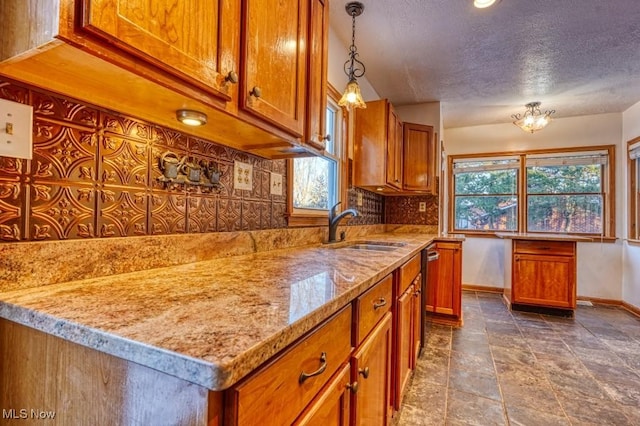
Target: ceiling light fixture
(533, 119)
(191, 117)
(481, 4)
(353, 68)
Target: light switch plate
(422, 207)
(359, 201)
(276, 184)
(16, 130)
(242, 176)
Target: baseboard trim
(631, 308)
(601, 301)
(473, 287)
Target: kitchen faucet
(334, 221)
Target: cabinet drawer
(277, 393)
(371, 307)
(565, 248)
(408, 272)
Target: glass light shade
(352, 98)
(481, 4)
(533, 119)
(191, 117)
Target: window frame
(313, 217)
(608, 190)
(633, 173)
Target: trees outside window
(553, 192)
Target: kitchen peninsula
(166, 341)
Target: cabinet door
(544, 280)
(332, 406)
(419, 158)
(317, 79)
(196, 40)
(372, 370)
(416, 319)
(394, 149)
(404, 349)
(444, 292)
(274, 58)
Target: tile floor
(512, 368)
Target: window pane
(331, 130)
(488, 213)
(314, 185)
(564, 179)
(486, 182)
(565, 213)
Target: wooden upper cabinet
(194, 40)
(315, 129)
(273, 54)
(419, 158)
(377, 163)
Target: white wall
(338, 54)
(631, 253)
(599, 264)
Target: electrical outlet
(242, 176)
(359, 201)
(16, 130)
(422, 207)
(276, 184)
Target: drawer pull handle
(433, 256)
(380, 303)
(304, 376)
(353, 386)
(364, 372)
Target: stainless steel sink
(370, 245)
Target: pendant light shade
(353, 67)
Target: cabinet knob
(416, 293)
(256, 92)
(232, 77)
(327, 137)
(364, 372)
(353, 386)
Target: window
(315, 179)
(548, 192)
(486, 194)
(316, 183)
(634, 190)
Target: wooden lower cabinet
(277, 393)
(544, 274)
(333, 405)
(444, 283)
(371, 364)
(404, 344)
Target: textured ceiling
(578, 57)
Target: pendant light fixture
(353, 67)
(533, 119)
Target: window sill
(633, 242)
(298, 220)
(492, 234)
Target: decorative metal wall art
(187, 172)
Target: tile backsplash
(406, 210)
(94, 173)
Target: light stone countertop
(209, 322)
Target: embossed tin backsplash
(94, 173)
